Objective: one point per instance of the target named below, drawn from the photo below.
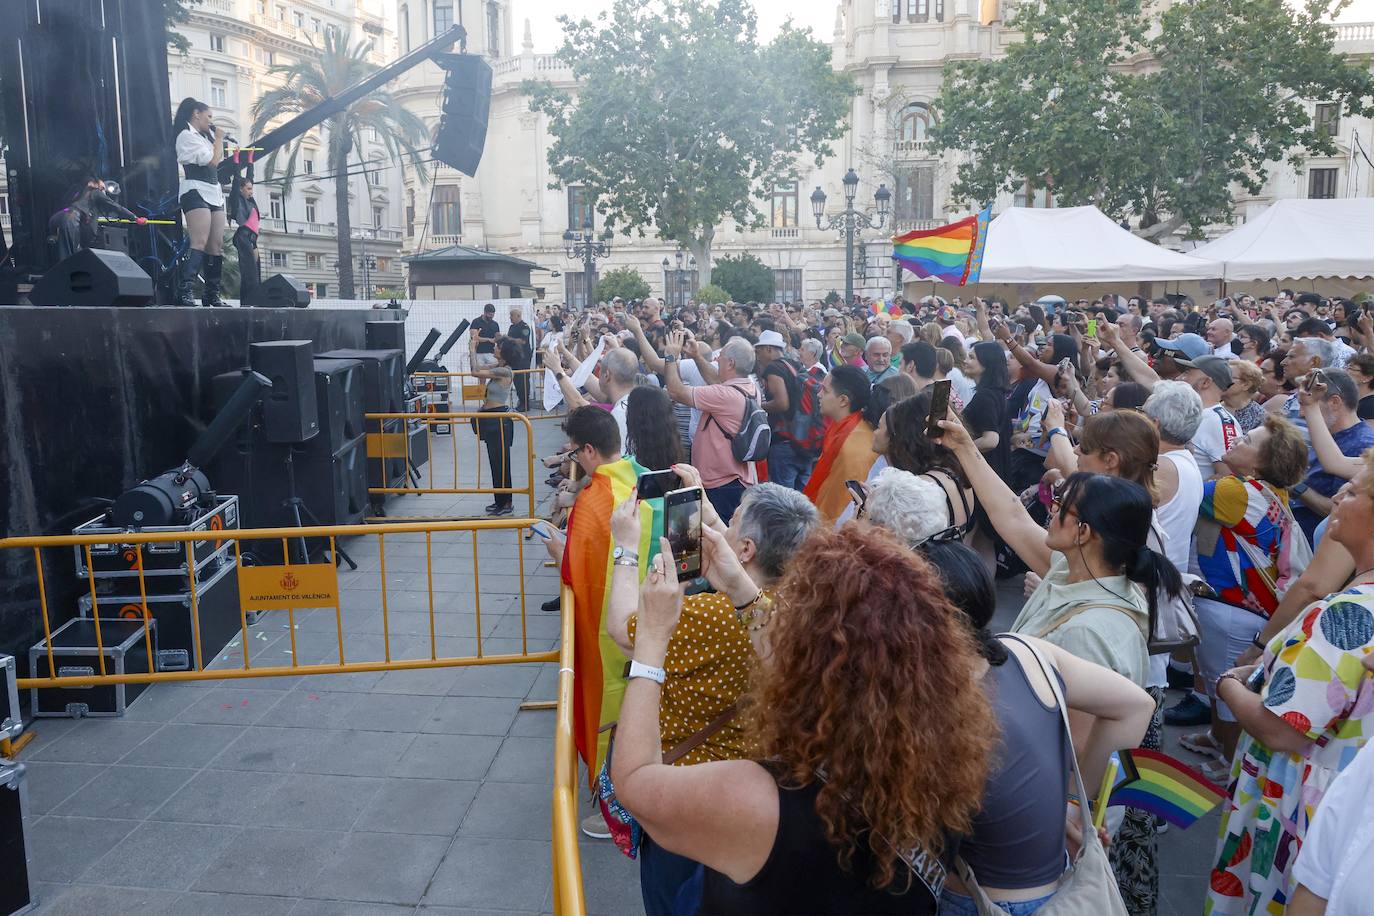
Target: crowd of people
(823, 720)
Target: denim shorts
(952, 904)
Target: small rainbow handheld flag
(1165, 787)
(952, 254)
(880, 307)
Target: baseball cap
(854, 340)
(831, 313)
(1190, 345)
(1214, 367)
(771, 339)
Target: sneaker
(1161, 826)
(1179, 679)
(1188, 711)
(552, 606)
(502, 510)
(594, 826)
(492, 509)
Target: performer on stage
(200, 146)
(75, 226)
(247, 215)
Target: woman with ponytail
(199, 147)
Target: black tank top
(803, 874)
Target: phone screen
(682, 525)
(1092, 327)
(1313, 377)
(658, 483)
(856, 492)
(939, 408)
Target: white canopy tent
(1300, 239)
(1079, 245)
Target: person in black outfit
(485, 330)
(75, 227)
(985, 414)
(249, 218)
(520, 332)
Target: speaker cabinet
(289, 410)
(383, 378)
(339, 394)
(467, 104)
(279, 292)
(386, 335)
(94, 277)
(334, 486)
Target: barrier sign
(279, 588)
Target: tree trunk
(341, 216)
(1154, 232)
(700, 248)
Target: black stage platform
(92, 400)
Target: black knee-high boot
(214, 264)
(186, 294)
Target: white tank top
(1175, 520)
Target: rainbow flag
(1168, 788)
(599, 665)
(952, 254)
(881, 307)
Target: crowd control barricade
(468, 391)
(568, 899)
(421, 478)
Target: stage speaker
(334, 486)
(467, 104)
(383, 378)
(94, 277)
(279, 292)
(339, 394)
(386, 335)
(289, 410)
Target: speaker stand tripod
(299, 509)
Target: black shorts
(192, 200)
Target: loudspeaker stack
(94, 277)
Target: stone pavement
(374, 794)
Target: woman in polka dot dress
(1304, 726)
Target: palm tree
(310, 81)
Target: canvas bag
(1088, 887)
(755, 436)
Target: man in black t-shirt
(486, 330)
(520, 332)
(787, 465)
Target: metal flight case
(165, 569)
(11, 716)
(75, 653)
(16, 893)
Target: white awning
(1300, 239)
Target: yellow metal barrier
(567, 861)
(288, 588)
(397, 445)
(464, 387)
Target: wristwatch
(657, 675)
(559, 376)
(623, 557)
(1298, 488)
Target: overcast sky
(818, 14)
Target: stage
(93, 400)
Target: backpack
(755, 436)
(808, 426)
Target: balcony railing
(791, 232)
(911, 225)
(1355, 31)
(911, 148)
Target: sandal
(1218, 771)
(1202, 743)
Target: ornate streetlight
(676, 294)
(586, 246)
(850, 221)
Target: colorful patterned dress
(1317, 685)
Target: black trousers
(497, 434)
(522, 390)
(249, 270)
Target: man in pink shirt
(722, 410)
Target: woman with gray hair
(911, 507)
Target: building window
(680, 286)
(321, 290)
(939, 10)
(493, 29)
(262, 7)
(300, 20)
(918, 10)
(785, 201)
(316, 26)
(405, 28)
(575, 288)
(1028, 195)
(375, 177)
(217, 43)
(281, 13)
(1328, 120)
(914, 124)
(378, 217)
(312, 261)
(1321, 183)
(787, 285)
(579, 208)
(279, 258)
(382, 264)
(896, 10)
(311, 210)
(915, 195)
(274, 208)
(443, 16)
(309, 165)
(445, 217)
(219, 93)
(410, 214)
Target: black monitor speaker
(279, 292)
(289, 410)
(467, 104)
(97, 277)
(386, 335)
(339, 393)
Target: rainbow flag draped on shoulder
(951, 254)
(598, 663)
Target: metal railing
(567, 861)
(469, 389)
(395, 446)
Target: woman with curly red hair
(877, 758)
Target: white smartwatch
(657, 675)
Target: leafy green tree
(624, 282)
(1104, 102)
(682, 118)
(312, 80)
(710, 294)
(745, 277)
(177, 13)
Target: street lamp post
(850, 221)
(677, 299)
(586, 246)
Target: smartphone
(1255, 682)
(541, 529)
(856, 493)
(658, 483)
(939, 408)
(1313, 377)
(1092, 327)
(682, 525)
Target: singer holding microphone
(200, 146)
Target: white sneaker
(594, 826)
